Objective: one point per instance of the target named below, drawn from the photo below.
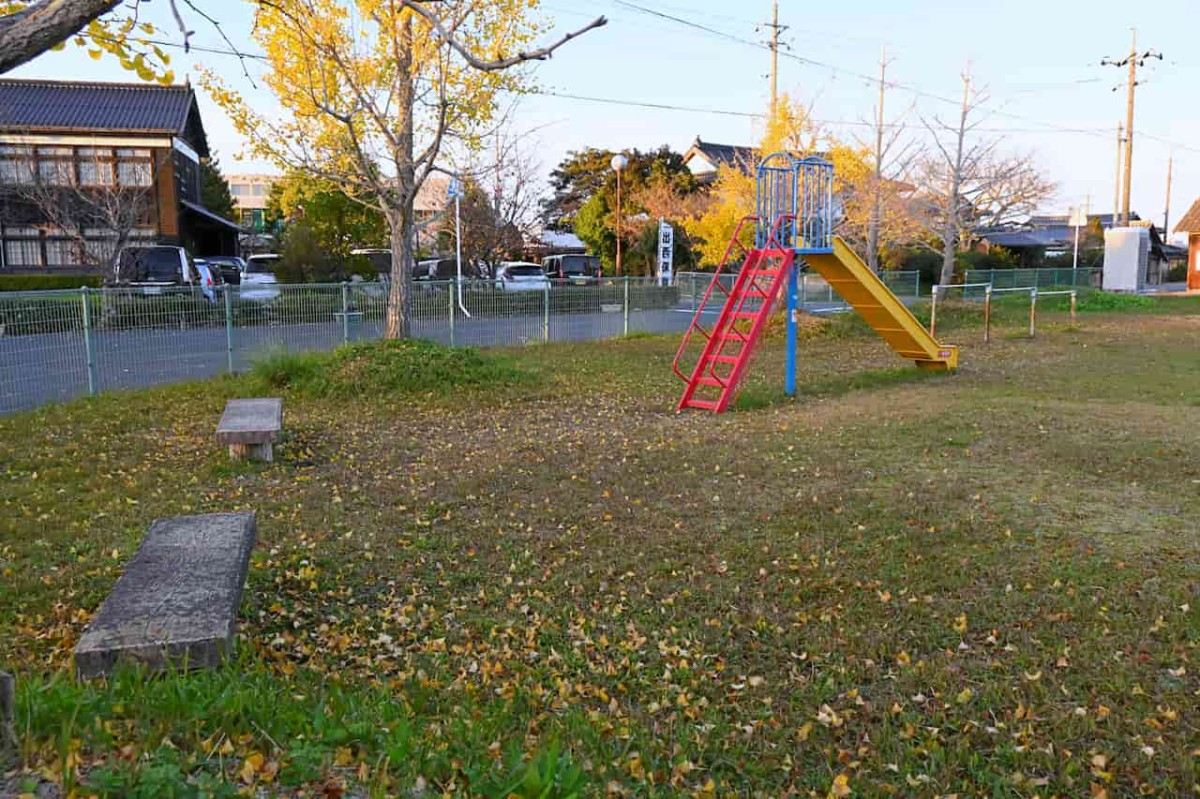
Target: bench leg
(256, 452)
(262, 452)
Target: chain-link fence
(1083, 277)
(55, 345)
(816, 295)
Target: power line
(755, 114)
(871, 79)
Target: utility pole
(776, 29)
(877, 198)
(1167, 207)
(1132, 62)
(1116, 217)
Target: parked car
(230, 266)
(443, 269)
(380, 259)
(153, 269)
(576, 268)
(258, 278)
(521, 276)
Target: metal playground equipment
(794, 221)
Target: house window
(95, 167)
(16, 164)
(56, 166)
(22, 247)
(239, 189)
(133, 167)
(60, 252)
(258, 190)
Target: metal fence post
(987, 314)
(1033, 312)
(933, 313)
(917, 291)
(803, 289)
(1073, 296)
(625, 322)
(87, 341)
(451, 293)
(345, 312)
(228, 291)
(546, 313)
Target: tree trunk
(33, 30)
(401, 229)
(949, 246)
(873, 230)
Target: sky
(1038, 62)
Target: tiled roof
(1191, 220)
(726, 154)
(40, 105)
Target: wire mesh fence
(56, 345)
(1083, 277)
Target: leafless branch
(484, 65)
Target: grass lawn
(534, 579)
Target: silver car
(521, 276)
(258, 278)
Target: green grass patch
(983, 583)
(386, 367)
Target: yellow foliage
(355, 77)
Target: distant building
(1053, 236)
(1190, 224)
(100, 151)
(705, 159)
(540, 243)
(250, 192)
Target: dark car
(443, 269)
(576, 268)
(230, 267)
(153, 269)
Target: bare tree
(969, 184)
(94, 218)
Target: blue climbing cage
(801, 191)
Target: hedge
(48, 282)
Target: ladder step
(746, 315)
(709, 381)
(725, 358)
(703, 405)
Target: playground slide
(874, 301)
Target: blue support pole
(793, 311)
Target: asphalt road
(45, 368)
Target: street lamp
(619, 162)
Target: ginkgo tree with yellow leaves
(791, 129)
(372, 91)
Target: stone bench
(250, 426)
(176, 604)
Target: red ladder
(729, 345)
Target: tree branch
(37, 28)
(541, 54)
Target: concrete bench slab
(250, 426)
(176, 604)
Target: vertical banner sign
(666, 251)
